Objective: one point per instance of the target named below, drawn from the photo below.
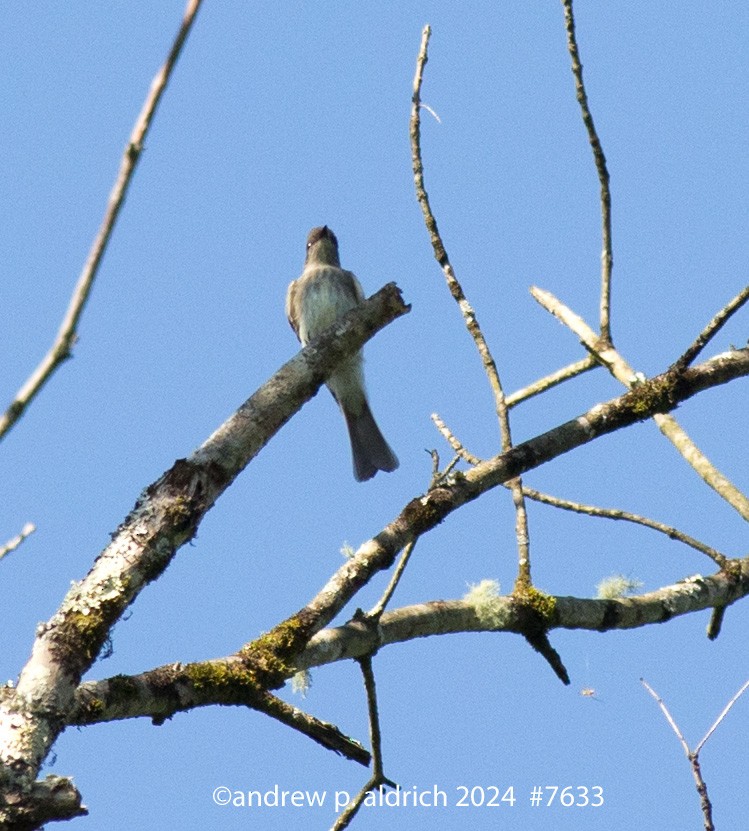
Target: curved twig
(469, 316)
(614, 513)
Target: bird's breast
(324, 295)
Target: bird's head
(322, 247)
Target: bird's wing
(292, 306)
(356, 285)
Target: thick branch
(150, 695)
(165, 517)
(659, 394)
(177, 688)
(441, 617)
(49, 799)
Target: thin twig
(716, 622)
(352, 809)
(552, 380)
(13, 543)
(693, 755)
(440, 253)
(454, 442)
(667, 424)
(440, 476)
(376, 611)
(67, 334)
(374, 717)
(614, 513)
(469, 316)
(712, 328)
(322, 732)
(721, 717)
(378, 778)
(607, 256)
(435, 456)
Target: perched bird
(323, 293)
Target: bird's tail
(369, 449)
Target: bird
(314, 301)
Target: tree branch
(13, 543)
(712, 328)
(165, 517)
(503, 614)
(607, 256)
(552, 380)
(454, 442)
(469, 317)
(378, 778)
(667, 424)
(614, 513)
(692, 755)
(423, 513)
(67, 334)
(163, 691)
(50, 799)
(178, 688)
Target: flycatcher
(323, 293)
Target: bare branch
(356, 639)
(161, 692)
(564, 374)
(47, 800)
(322, 732)
(440, 253)
(374, 717)
(669, 717)
(716, 622)
(667, 424)
(615, 513)
(67, 334)
(454, 442)
(378, 778)
(14, 542)
(720, 718)
(352, 809)
(426, 512)
(712, 328)
(166, 517)
(692, 756)
(469, 315)
(607, 256)
(440, 617)
(376, 611)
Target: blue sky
(284, 116)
